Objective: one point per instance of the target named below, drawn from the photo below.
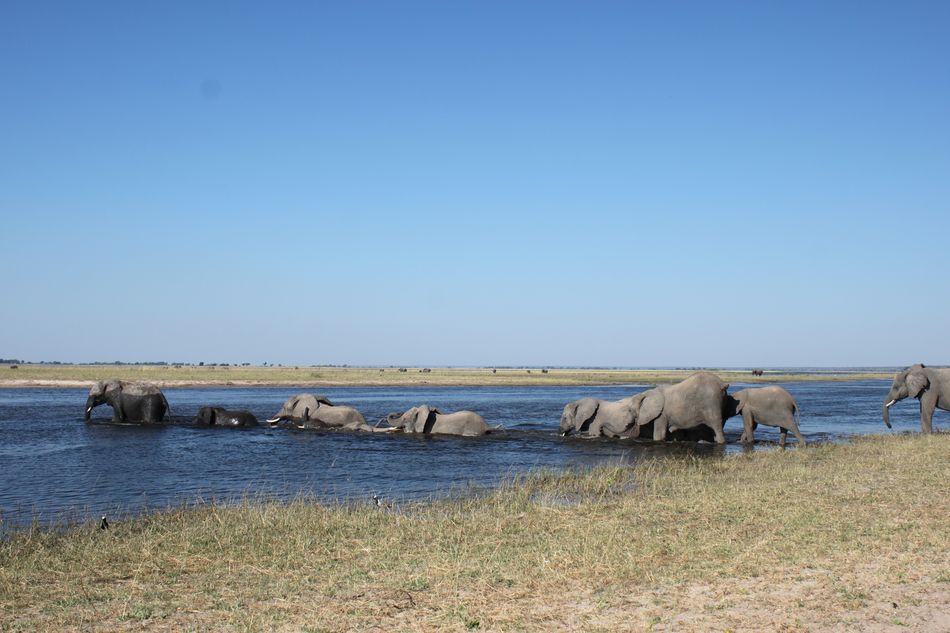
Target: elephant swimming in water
(771, 406)
(425, 419)
(130, 401)
(312, 411)
(929, 385)
(216, 416)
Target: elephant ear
(651, 407)
(213, 418)
(917, 382)
(420, 421)
(323, 400)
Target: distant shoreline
(169, 376)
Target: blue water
(57, 468)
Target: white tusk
(888, 405)
(273, 420)
(89, 410)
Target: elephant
(216, 416)
(594, 418)
(426, 419)
(771, 406)
(309, 411)
(928, 384)
(698, 400)
(130, 401)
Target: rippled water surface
(58, 468)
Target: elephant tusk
(888, 405)
(273, 420)
(89, 410)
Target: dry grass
(83, 375)
(849, 536)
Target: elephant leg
(659, 429)
(928, 402)
(596, 427)
(748, 427)
(717, 429)
(782, 435)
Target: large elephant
(216, 416)
(308, 411)
(929, 385)
(771, 406)
(130, 401)
(698, 400)
(425, 419)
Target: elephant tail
(797, 413)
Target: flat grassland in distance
(844, 537)
(188, 375)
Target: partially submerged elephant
(425, 419)
(308, 411)
(698, 400)
(591, 417)
(929, 385)
(217, 416)
(771, 406)
(130, 401)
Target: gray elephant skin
(428, 420)
(698, 400)
(590, 417)
(130, 401)
(217, 416)
(771, 406)
(928, 384)
(312, 411)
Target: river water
(57, 469)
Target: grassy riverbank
(187, 375)
(852, 536)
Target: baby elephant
(216, 416)
(425, 419)
(771, 406)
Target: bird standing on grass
(103, 523)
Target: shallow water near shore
(59, 469)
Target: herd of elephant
(692, 410)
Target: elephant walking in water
(425, 419)
(698, 400)
(130, 401)
(929, 385)
(308, 411)
(771, 406)
(592, 417)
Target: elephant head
(98, 395)
(910, 383)
(415, 420)
(577, 416)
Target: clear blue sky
(468, 183)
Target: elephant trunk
(887, 411)
(90, 403)
(888, 402)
